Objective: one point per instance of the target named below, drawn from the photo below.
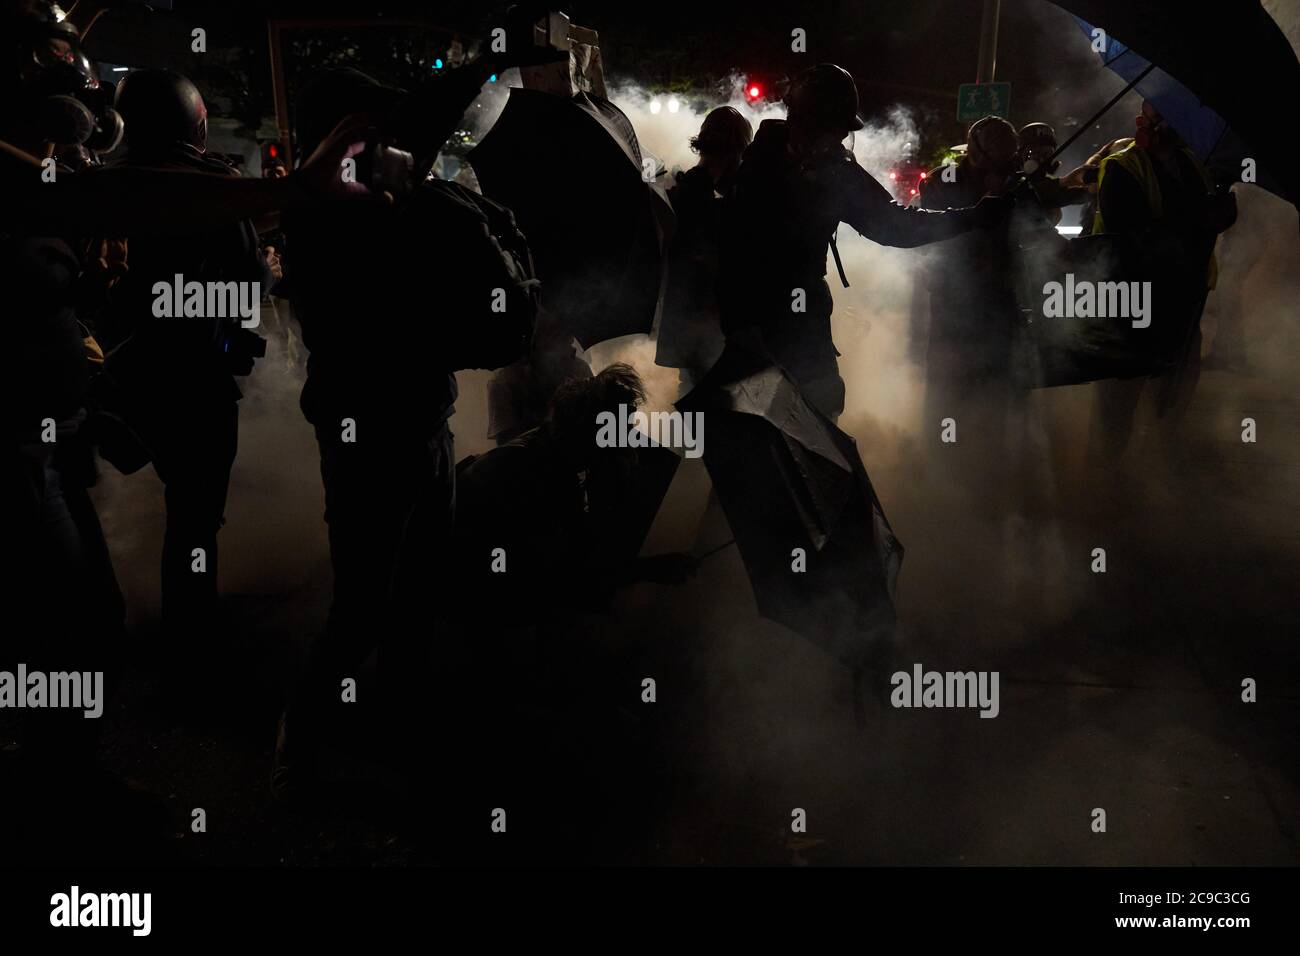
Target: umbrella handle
(1023, 178)
(1100, 113)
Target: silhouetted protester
(63, 612)
(690, 334)
(519, 395)
(1037, 144)
(174, 369)
(797, 183)
(392, 300)
(550, 501)
(1231, 305)
(973, 311)
(540, 542)
(1088, 174)
(1158, 194)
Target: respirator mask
(60, 97)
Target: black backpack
(489, 289)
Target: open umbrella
(639, 504)
(571, 171)
(788, 478)
(1218, 83)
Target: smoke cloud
(997, 574)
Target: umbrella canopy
(570, 169)
(523, 498)
(788, 478)
(639, 504)
(1236, 64)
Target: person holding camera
(392, 301)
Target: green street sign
(977, 100)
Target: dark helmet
(991, 141)
(1037, 135)
(724, 130)
(162, 109)
(827, 95)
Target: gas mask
(61, 99)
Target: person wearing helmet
(992, 157)
(174, 378)
(1157, 194)
(796, 184)
(1037, 146)
(972, 302)
(64, 611)
(53, 105)
(690, 337)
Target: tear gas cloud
(997, 548)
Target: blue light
(492, 78)
(437, 64)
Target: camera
(385, 169)
(535, 35)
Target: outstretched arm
(124, 201)
(872, 211)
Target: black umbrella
(1230, 53)
(571, 170)
(640, 501)
(788, 478)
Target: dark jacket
(369, 287)
(179, 355)
(689, 334)
(973, 310)
(778, 232)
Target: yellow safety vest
(1137, 163)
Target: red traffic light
(754, 91)
(273, 154)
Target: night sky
(915, 54)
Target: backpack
(489, 292)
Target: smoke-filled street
(496, 438)
(1121, 687)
